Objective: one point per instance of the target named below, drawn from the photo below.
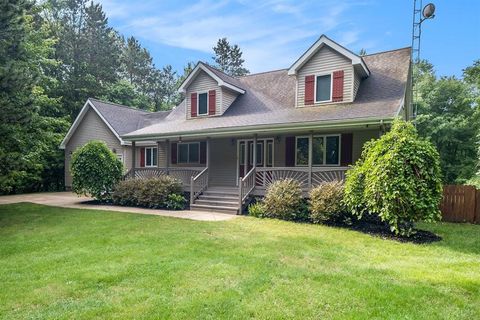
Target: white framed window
(202, 103)
(323, 87)
(260, 154)
(325, 150)
(301, 151)
(151, 156)
(188, 152)
(269, 154)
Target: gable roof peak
(326, 41)
(223, 79)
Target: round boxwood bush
(95, 170)
(283, 200)
(398, 178)
(326, 202)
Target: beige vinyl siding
(325, 61)
(223, 162)
(228, 97)
(203, 82)
(356, 84)
(162, 154)
(90, 128)
(359, 139)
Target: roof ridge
(120, 105)
(216, 69)
(386, 51)
(257, 73)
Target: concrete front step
(232, 204)
(223, 209)
(218, 198)
(211, 193)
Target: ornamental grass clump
(397, 178)
(95, 170)
(283, 200)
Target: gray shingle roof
(225, 77)
(125, 119)
(270, 100)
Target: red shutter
(346, 157)
(173, 153)
(290, 151)
(203, 152)
(142, 157)
(211, 102)
(193, 104)
(337, 91)
(309, 89)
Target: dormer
(209, 92)
(327, 73)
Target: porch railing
(245, 187)
(308, 178)
(198, 184)
(183, 174)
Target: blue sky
(274, 33)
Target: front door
(245, 151)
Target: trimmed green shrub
(398, 178)
(326, 202)
(175, 202)
(95, 170)
(256, 209)
(283, 200)
(150, 193)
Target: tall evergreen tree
(229, 59)
(137, 64)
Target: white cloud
(270, 33)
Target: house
(231, 137)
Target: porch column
(207, 155)
(158, 154)
(134, 152)
(310, 157)
(255, 151)
(167, 155)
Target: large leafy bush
(398, 178)
(161, 192)
(326, 202)
(283, 200)
(95, 170)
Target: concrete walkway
(70, 200)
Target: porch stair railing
(198, 184)
(183, 174)
(245, 187)
(307, 177)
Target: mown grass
(67, 263)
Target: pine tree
(137, 64)
(228, 58)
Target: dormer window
(202, 103)
(323, 88)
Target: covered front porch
(234, 165)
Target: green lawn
(68, 263)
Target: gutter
(272, 128)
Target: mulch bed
(382, 230)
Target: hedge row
(162, 192)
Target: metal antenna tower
(420, 14)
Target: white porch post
(254, 151)
(133, 158)
(207, 160)
(310, 158)
(167, 155)
(158, 154)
